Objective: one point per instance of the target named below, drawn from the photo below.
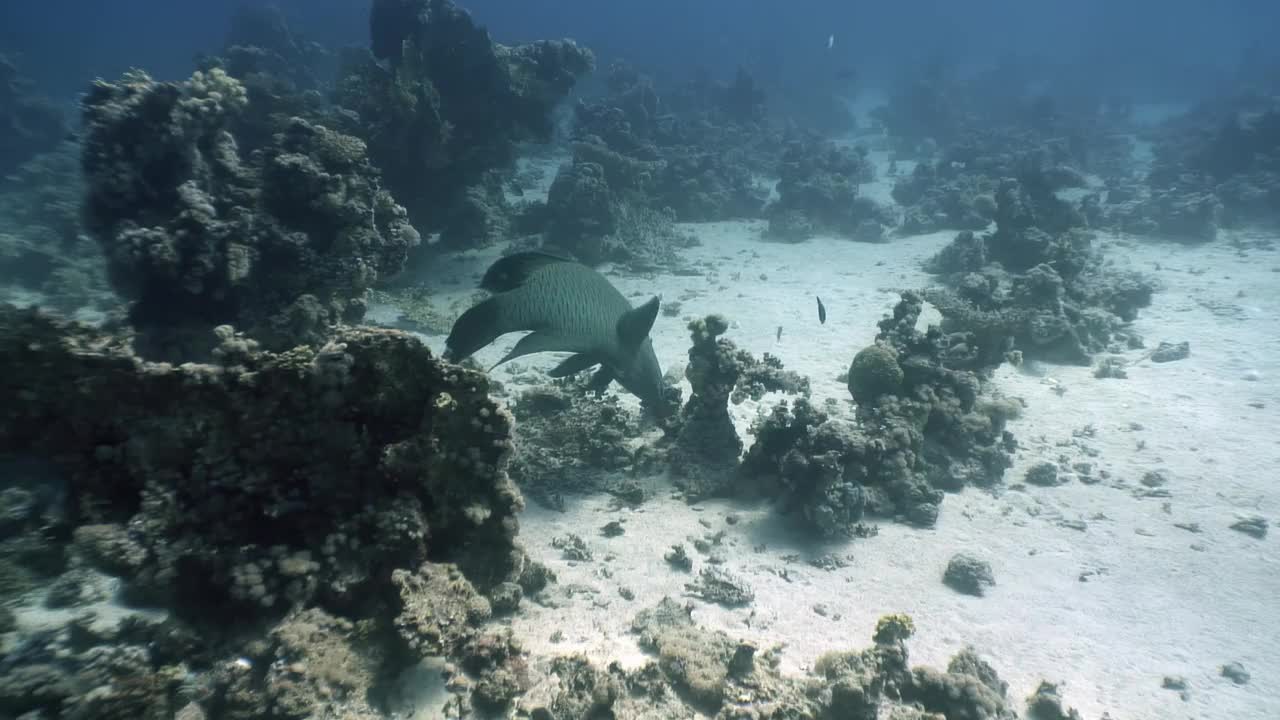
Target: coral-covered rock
(704, 458)
(283, 243)
(265, 481)
(818, 181)
(598, 210)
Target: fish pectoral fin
(574, 365)
(600, 381)
(536, 342)
(635, 324)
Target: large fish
(570, 308)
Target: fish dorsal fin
(512, 271)
(635, 324)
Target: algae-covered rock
(1044, 474)
(696, 661)
(1170, 352)
(583, 690)
(442, 610)
(718, 585)
(958, 696)
(1235, 672)
(321, 665)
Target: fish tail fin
(475, 328)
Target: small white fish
(831, 41)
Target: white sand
(1158, 600)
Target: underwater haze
(567, 360)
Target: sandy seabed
(1097, 586)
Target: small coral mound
(968, 575)
(874, 372)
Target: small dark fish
(778, 337)
(822, 311)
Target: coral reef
(265, 54)
(707, 672)
(1012, 104)
(1036, 282)
(449, 106)
(818, 194)
(316, 494)
(597, 210)
(704, 142)
(938, 196)
(923, 426)
(283, 243)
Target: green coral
(874, 372)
